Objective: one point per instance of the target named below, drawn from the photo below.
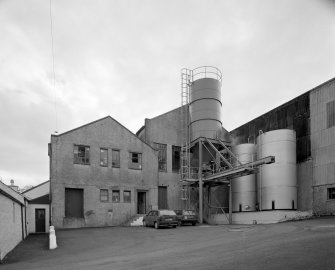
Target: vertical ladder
(186, 81)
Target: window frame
(331, 193)
(127, 201)
(173, 158)
(115, 191)
(119, 162)
(103, 195)
(104, 164)
(135, 165)
(77, 159)
(162, 156)
(330, 111)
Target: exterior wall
(304, 185)
(38, 191)
(323, 148)
(104, 133)
(165, 129)
(31, 217)
(10, 224)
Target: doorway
(162, 197)
(141, 202)
(40, 220)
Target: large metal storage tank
(277, 182)
(244, 189)
(205, 103)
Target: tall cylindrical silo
(205, 104)
(277, 182)
(244, 188)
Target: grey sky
(123, 58)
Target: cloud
(123, 58)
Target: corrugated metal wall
(294, 114)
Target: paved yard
(293, 245)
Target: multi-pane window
(175, 158)
(135, 160)
(161, 156)
(116, 196)
(81, 154)
(104, 195)
(116, 158)
(127, 196)
(104, 157)
(331, 114)
(331, 193)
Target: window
(116, 196)
(74, 202)
(81, 154)
(127, 196)
(116, 158)
(161, 156)
(176, 158)
(331, 114)
(135, 160)
(103, 157)
(104, 195)
(331, 193)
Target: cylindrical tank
(205, 103)
(277, 182)
(244, 188)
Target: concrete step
(136, 220)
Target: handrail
(207, 72)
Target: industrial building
(277, 165)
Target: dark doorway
(141, 202)
(39, 220)
(74, 202)
(162, 198)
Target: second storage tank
(244, 189)
(277, 182)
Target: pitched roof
(102, 119)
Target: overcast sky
(123, 59)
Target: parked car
(158, 218)
(187, 216)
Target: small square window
(116, 196)
(81, 154)
(116, 158)
(135, 160)
(103, 157)
(127, 196)
(331, 193)
(104, 195)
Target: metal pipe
(230, 202)
(200, 184)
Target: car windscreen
(167, 213)
(189, 212)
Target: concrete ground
(308, 244)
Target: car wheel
(145, 224)
(194, 223)
(174, 226)
(156, 225)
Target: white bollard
(52, 238)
